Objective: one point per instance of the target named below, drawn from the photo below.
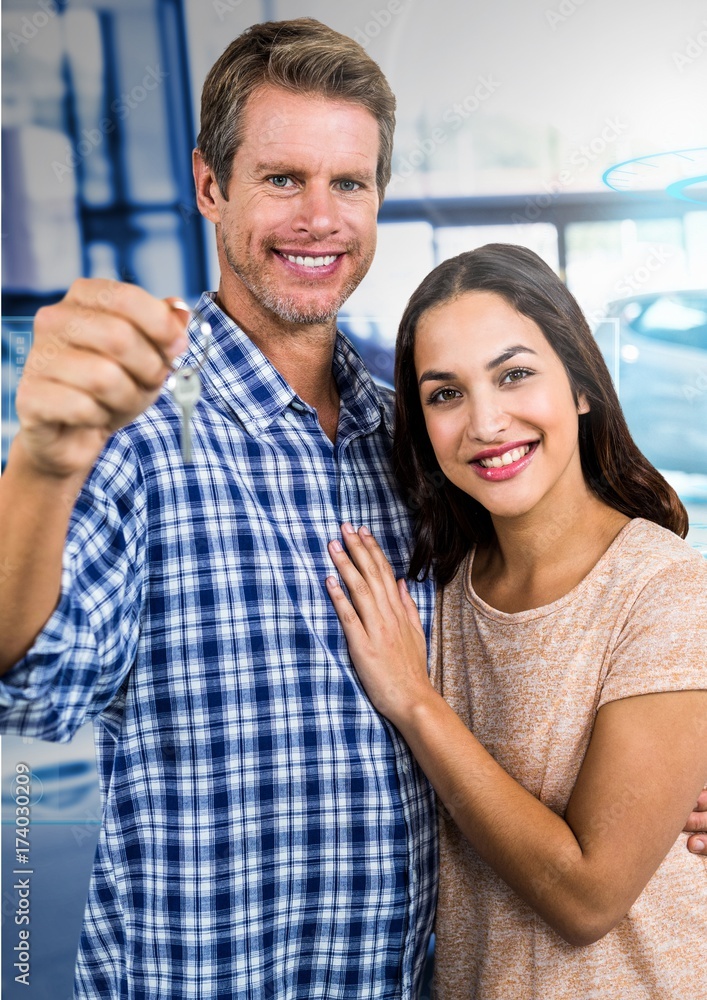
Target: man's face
(298, 231)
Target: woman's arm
(644, 768)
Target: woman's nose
(487, 418)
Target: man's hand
(99, 358)
(697, 825)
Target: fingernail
(699, 845)
(336, 546)
(405, 584)
(348, 528)
(332, 582)
(364, 530)
(180, 304)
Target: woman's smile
(498, 404)
(496, 464)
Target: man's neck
(302, 354)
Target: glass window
(540, 237)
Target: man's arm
(99, 358)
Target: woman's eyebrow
(431, 375)
(508, 354)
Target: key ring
(204, 329)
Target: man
(266, 833)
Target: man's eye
(280, 180)
(348, 185)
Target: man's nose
(317, 212)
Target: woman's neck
(539, 557)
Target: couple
(266, 832)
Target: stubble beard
(290, 308)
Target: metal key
(185, 382)
(185, 385)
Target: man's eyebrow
(509, 353)
(273, 167)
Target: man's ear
(582, 404)
(208, 195)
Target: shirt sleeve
(662, 645)
(83, 654)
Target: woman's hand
(697, 825)
(382, 627)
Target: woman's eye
(443, 396)
(516, 375)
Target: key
(185, 385)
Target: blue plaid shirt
(265, 832)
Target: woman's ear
(582, 404)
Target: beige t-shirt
(529, 686)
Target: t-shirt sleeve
(662, 645)
(81, 657)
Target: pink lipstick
(494, 473)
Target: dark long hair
(448, 521)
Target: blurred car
(374, 343)
(655, 346)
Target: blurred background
(575, 127)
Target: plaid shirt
(265, 832)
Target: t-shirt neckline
(516, 617)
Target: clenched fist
(99, 358)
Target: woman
(569, 649)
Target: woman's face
(498, 405)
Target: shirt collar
(236, 374)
